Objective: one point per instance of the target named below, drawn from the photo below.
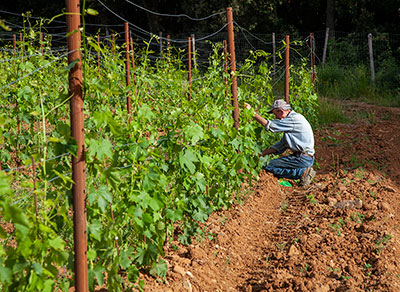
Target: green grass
(354, 82)
(330, 112)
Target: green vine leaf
(101, 149)
(187, 160)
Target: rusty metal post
(21, 45)
(128, 71)
(189, 69)
(225, 67)
(231, 43)
(312, 48)
(77, 132)
(287, 69)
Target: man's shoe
(307, 176)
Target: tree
(330, 17)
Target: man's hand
(246, 105)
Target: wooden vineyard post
(325, 45)
(371, 58)
(287, 69)
(312, 49)
(189, 69)
(15, 45)
(231, 44)
(21, 46)
(77, 132)
(41, 43)
(128, 71)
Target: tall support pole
(194, 51)
(273, 55)
(231, 44)
(190, 68)
(41, 43)
(371, 58)
(77, 132)
(325, 45)
(312, 49)
(128, 71)
(287, 69)
(21, 46)
(15, 46)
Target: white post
(371, 58)
(325, 45)
(194, 51)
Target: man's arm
(268, 151)
(257, 117)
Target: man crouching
(297, 136)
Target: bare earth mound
(339, 234)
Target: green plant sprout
(367, 267)
(382, 242)
(312, 199)
(284, 205)
(281, 245)
(338, 226)
(357, 217)
(304, 269)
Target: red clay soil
(341, 233)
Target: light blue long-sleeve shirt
(298, 135)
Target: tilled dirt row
(339, 234)
(335, 236)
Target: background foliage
(256, 15)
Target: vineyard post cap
(279, 104)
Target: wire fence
(343, 48)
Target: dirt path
(339, 234)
